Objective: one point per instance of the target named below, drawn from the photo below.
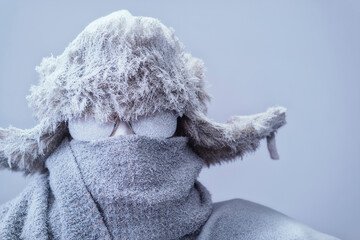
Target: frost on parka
(131, 66)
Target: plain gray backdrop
(304, 55)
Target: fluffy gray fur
(26, 150)
(132, 66)
(216, 142)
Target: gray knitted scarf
(127, 188)
(134, 188)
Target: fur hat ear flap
(217, 142)
(26, 150)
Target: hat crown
(132, 66)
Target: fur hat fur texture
(131, 66)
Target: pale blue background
(304, 55)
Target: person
(123, 135)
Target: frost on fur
(216, 142)
(26, 150)
(132, 66)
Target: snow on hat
(131, 66)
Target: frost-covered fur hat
(131, 66)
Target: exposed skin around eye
(159, 125)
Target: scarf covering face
(106, 190)
(129, 187)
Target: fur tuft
(216, 142)
(26, 150)
(132, 66)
